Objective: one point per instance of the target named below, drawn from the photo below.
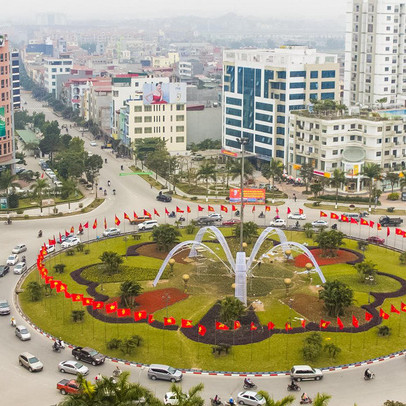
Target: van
(355, 216)
(164, 372)
(305, 372)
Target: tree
(382, 101)
(191, 398)
(393, 403)
(78, 315)
(128, 291)
(93, 164)
(308, 230)
(165, 236)
(307, 174)
(21, 158)
(7, 181)
(287, 400)
(336, 181)
(372, 172)
(321, 399)
(206, 172)
(393, 178)
(367, 270)
(34, 290)
(316, 188)
(50, 144)
(235, 169)
(272, 170)
(329, 242)
(59, 268)
(67, 189)
(38, 189)
(402, 258)
(332, 350)
(231, 309)
(337, 296)
(249, 231)
(111, 261)
(312, 347)
(145, 146)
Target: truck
(88, 355)
(386, 221)
(66, 386)
(205, 221)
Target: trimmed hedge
(346, 199)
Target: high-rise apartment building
(375, 52)
(261, 88)
(15, 75)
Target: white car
(215, 216)
(111, 231)
(171, 398)
(22, 333)
(19, 248)
(12, 259)
(278, 223)
(50, 248)
(147, 225)
(20, 268)
(297, 216)
(70, 242)
(250, 398)
(320, 223)
(73, 367)
(93, 143)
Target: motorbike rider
(304, 397)
(56, 346)
(248, 382)
(261, 215)
(108, 183)
(297, 224)
(40, 233)
(13, 322)
(216, 400)
(292, 384)
(231, 401)
(368, 374)
(114, 191)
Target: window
(328, 85)
(280, 130)
(378, 153)
(180, 118)
(280, 154)
(233, 101)
(263, 151)
(335, 139)
(379, 141)
(336, 127)
(233, 122)
(263, 139)
(180, 128)
(299, 96)
(352, 138)
(147, 108)
(137, 130)
(180, 139)
(180, 107)
(148, 130)
(282, 75)
(280, 141)
(264, 106)
(263, 117)
(137, 109)
(314, 74)
(235, 133)
(137, 119)
(281, 108)
(280, 119)
(297, 85)
(233, 112)
(263, 128)
(314, 85)
(327, 96)
(148, 119)
(328, 74)
(298, 74)
(335, 152)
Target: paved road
(20, 387)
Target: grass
(359, 207)
(207, 284)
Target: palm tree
(372, 172)
(307, 173)
(38, 187)
(206, 172)
(336, 181)
(231, 309)
(111, 261)
(249, 231)
(272, 170)
(68, 187)
(235, 169)
(393, 178)
(321, 399)
(165, 236)
(287, 400)
(191, 398)
(128, 291)
(402, 182)
(7, 180)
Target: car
(171, 398)
(93, 143)
(164, 372)
(215, 216)
(4, 307)
(22, 333)
(305, 372)
(376, 240)
(4, 269)
(297, 216)
(19, 170)
(64, 237)
(278, 223)
(320, 223)
(19, 248)
(31, 362)
(12, 259)
(140, 219)
(20, 268)
(148, 225)
(65, 386)
(205, 221)
(70, 242)
(231, 222)
(197, 157)
(111, 231)
(88, 355)
(58, 183)
(355, 216)
(163, 198)
(50, 248)
(251, 398)
(73, 367)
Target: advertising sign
(251, 196)
(2, 123)
(164, 93)
(3, 203)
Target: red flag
(224, 208)
(166, 211)
(147, 214)
(394, 310)
(156, 213)
(42, 175)
(301, 211)
(368, 316)
(398, 231)
(233, 208)
(340, 323)
(355, 322)
(87, 301)
(67, 294)
(210, 208)
(178, 210)
(140, 315)
(86, 225)
(288, 326)
(387, 231)
(97, 305)
(201, 330)
(169, 321)
(66, 233)
(80, 228)
(267, 208)
(277, 211)
(364, 222)
(237, 325)
(334, 216)
(402, 307)
(378, 226)
(371, 224)
(253, 209)
(123, 312)
(303, 322)
(150, 318)
(221, 326)
(383, 314)
(135, 215)
(72, 230)
(105, 223)
(116, 220)
(60, 237)
(111, 307)
(353, 221)
(51, 242)
(77, 297)
(186, 323)
(188, 209)
(324, 323)
(200, 208)
(253, 326)
(344, 218)
(288, 211)
(126, 216)
(95, 224)
(322, 214)
(271, 326)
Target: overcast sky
(329, 9)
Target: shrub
(311, 352)
(59, 268)
(383, 331)
(20, 211)
(193, 198)
(347, 199)
(393, 196)
(190, 229)
(402, 258)
(332, 350)
(78, 315)
(114, 344)
(362, 245)
(34, 290)
(314, 339)
(26, 216)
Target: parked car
(278, 223)
(88, 355)
(73, 367)
(305, 372)
(20, 268)
(163, 198)
(215, 216)
(22, 333)
(108, 232)
(67, 386)
(50, 248)
(231, 222)
(297, 216)
(197, 157)
(4, 307)
(250, 398)
(320, 223)
(19, 248)
(93, 143)
(147, 225)
(171, 398)
(376, 240)
(70, 242)
(164, 372)
(31, 362)
(12, 259)
(64, 238)
(4, 269)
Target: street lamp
(243, 141)
(166, 297)
(97, 185)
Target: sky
(93, 9)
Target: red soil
(341, 258)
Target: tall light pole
(243, 141)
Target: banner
(251, 196)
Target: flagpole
(215, 332)
(251, 345)
(269, 343)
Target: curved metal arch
(264, 235)
(177, 248)
(288, 244)
(221, 239)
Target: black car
(163, 198)
(4, 270)
(88, 355)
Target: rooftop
(337, 115)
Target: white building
(375, 52)
(53, 68)
(261, 88)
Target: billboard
(2, 122)
(251, 196)
(164, 93)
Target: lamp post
(97, 185)
(166, 297)
(185, 278)
(243, 141)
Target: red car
(68, 386)
(231, 222)
(376, 240)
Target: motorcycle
(39, 233)
(8, 222)
(181, 218)
(114, 191)
(105, 192)
(261, 215)
(293, 387)
(369, 376)
(23, 259)
(249, 385)
(56, 347)
(122, 167)
(237, 213)
(307, 401)
(334, 227)
(117, 372)
(108, 183)
(172, 214)
(13, 322)
(216, 403)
